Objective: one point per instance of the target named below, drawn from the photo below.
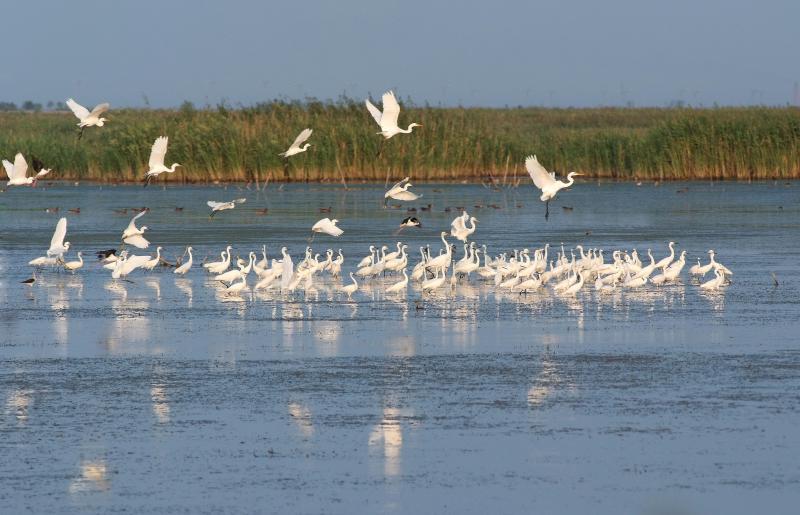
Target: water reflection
(158, 396)
(93, 477)
(301, 416)
(387, 438)
(17, 405)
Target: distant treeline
(242, 144)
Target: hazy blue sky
(500, 52)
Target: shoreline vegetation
(224, 144)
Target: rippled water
(161, 393)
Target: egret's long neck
(407, 131)
(173, 167)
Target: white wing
(9, 166)
(401, 183)
(132, 225)
(391, 111)
(240, 201)
(60, 233)
(301, 138)
(79, 111)
(541, 178)
(321, 224)
(215, 205)
(100, 109)
(20, 167)
(374, 111)
(158, 152)
(138, 241)
(134, 262)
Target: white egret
(74, 265)
(664, 263)
(222, 206)
(153, 262)
(671, 272)
(18, 170)
(400, 285)
(716, 283)
(296, 147)
(237, 288)
(327, 226)
(181, 270)
(287, 271)
(388, 118)
(43, 261)
(156, 163)
(572, 290)
(402, 193)
(394, 189)
(460, 231)
(87, 118)
(351, 288)
(133, 235)
(547, 182)
(58, 247)
(436, 282)
(127, 264)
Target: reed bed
(223, 144)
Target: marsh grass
(224, 144)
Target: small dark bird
(567, 208)
(29, 281)
(411, 210)
(425, 208)
(447, 210)
(178, 209)
(51, 210)
(478, 206)
(138, 209)
(682, 190)
(75, 210)
(411, 221)
(262, 211)
(103, 254)
(325, 209)
(494, 206)
(123, 211)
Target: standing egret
(222, 206)
(57, 245)
(153, 262)
(716, 283)
(664, 263)
(156, 163)
(400, 285)
(88, 119)
(327, 226)
(351, 288)
(547, 182)
(181, 270)
(388, 118)
(133, 235)
(74, 265)
(461, 231)
(17, 171)
(287, 271)
(127, 264)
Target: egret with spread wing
(133, 235)
(156, 163)
(388, 118)
(223, 206)
(58, 247)
(547, 182)
(327, 226)
(18, 170)
(87, 118)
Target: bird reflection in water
(548, 382)
(93, 477)
(301, 416)
(17, 405)
(158, 396)
(387, 437)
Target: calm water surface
(162, 395)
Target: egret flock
(565, 272)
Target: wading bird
(74, 265)
(133, 235)
(547, 182)
(410, 221)
(222, 206)
(58, 247)
(181, 270)
(17, 172)
(388, 118)
(88, 119)
(156, 163)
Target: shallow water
(163, 395)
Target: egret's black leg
(547, 210)
(286, 168)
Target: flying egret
(351, 288)
(156, 163)
(133, 235)
(17, 172)
(222, 206)
(181, 270)
(394, 189)
(127, 264)
(57, 245)
(403, 194)
(74, 265)
(88, 119)
(547, 182)
(296, 147)
(327, 226)
(461, 231)
(388, 118)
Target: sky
(471, 53)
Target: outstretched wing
(401, 183)
(9, 166)
(320, 224)
(240, 201)
(100, 109)
(20, 166)
(215, 205)
(158, 152)
(134, 262)
(132, 225)
(541, 178)
(57, 241)
(391, 111)
(78, 110)
(374, 111)
(138, 241)
(301, 138)
(287, 271)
